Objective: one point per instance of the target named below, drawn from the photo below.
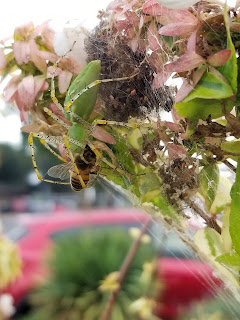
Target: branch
(230, 166)
(123, 271)
(210, 220)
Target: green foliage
(209, 179)
(78, 265)
(210, 87)
(84, 105)
(230, 69)
(234, 227)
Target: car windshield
(166, 244)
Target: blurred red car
(185, 278)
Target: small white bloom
(6, 305)
(65, 39)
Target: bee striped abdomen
(76, 183)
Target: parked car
(185, 278)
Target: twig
(123, 271)
(230, 166)
(210, 220)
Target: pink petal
(20, 104)
(129, 6)
(134, 42)
(39, 29)
(184, 91)
(102, 135)
(26, 91)
(63, 152)
(186, 62)
(175, 151)
(50, 72)
(176, 117)
(219, 58)
(71, 65)
(153, 37)
(172, 126)
(3, 61)
(191, 45)
(186, 87)
(48, 56)
(24, 30)
(114, 4)
(141, 22)
(183, 16)
(64, 80)
(59, 113)
(39, 83)
(153, 8)
(11, 88)
(21, 50)
(36, 58)
(177, 29)
(160, 78)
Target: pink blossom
(154, 41)
(23, 91)
(186, 62)
(219, 58)
(25, 48)
(102, 135)
(175, 151)
(183, 22)
(58, 113)
(3, 61)
(24, 30)
(21, 50)
(187, 87)
(64, 80)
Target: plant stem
(210, 220)
(229, 165)
(123, 271)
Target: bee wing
(60, 171)
(92, 180)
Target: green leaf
(227, 241)
(210, 87)
(231, 146)
(238, 81)
(78, 133)
(85, 103)
(234, 218)
(201, 108)
(209, 241)
(229, 259)
(209, 179)
(222, 198)
(230, 70)
(135, 139)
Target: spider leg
(93, 84)
(30, 141)
(67, 145)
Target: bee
(87, 169)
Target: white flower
(65, 39)
(6, 305)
